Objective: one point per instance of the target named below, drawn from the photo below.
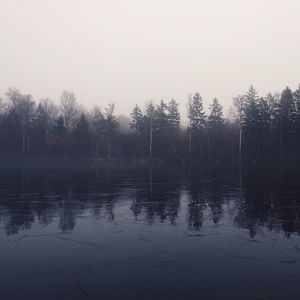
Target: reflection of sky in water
(119, 233)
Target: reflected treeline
(159, 193)
(269, 199)
(159, 199)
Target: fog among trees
(257, 128)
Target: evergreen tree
(252, 123)
(149, 124)
(173, 123)
(267, 107)
(161, 127)
(215, 129)
(287, 120)
(251, 109)
(239, 105)
(136, 124)
(267, 111)
(98, 128)
(136, 119)
(111, 125)
(161, 117)
(197, 119)
(296, 96)
(215, 119)
(173, 115)
(196, 113)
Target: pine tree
(267, 111)
(215, 119)
(296, 100)
(239, 105)
(149, 120)
(197, 118)
(252, 123)
(98, 128)
(196, 113)
(136, 124)
(215, 125)
(111, 125)
(173, 123)
(251, 109)
(161, 117)
(136, 119)
(173, 115)
(287, 118)
(296, 96)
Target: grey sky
(131, 51)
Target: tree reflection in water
(155, 193)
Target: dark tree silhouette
(259, 128)
(111, 126)
(197, 119)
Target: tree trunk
(190, 143)
(136, 143)
(150, 180)
(209, 146)
(174, 150)
(108, 148)
(97, 149)
(150, 144)
(23, 144)
(240, 144)
(280, 142)
(46, 140)
(28, 145)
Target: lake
(141, 231)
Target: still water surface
(166, 231)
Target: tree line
(257, 128)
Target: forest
(256, 128)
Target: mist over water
(144, 231)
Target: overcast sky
(130, 51)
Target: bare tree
(69, 108)
(24, 107)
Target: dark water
(149, 232)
